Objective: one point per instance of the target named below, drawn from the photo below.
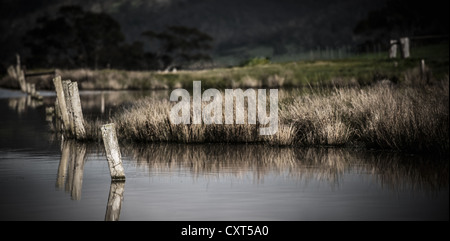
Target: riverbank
(362, 70)
(381, 116)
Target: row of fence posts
(17, 73)
(403, 43)
(70, 122)
(70, 177)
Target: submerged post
(20, 75)
(28, 88)
(113, 152)
(65, 86)
(61, 102)
(33, 90)
(77, 113)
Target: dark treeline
(149, 36)
(400, 18)
(74, 38)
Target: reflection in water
(391, 170)
(70, 177)
(22, 103)
(246, 163)
(71, 166)
(114, 201)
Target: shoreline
(381, 117)
(341, 72)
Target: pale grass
(382, 116)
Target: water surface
(45, 178)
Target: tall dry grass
(382, 116)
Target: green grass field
(362, 69)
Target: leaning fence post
(113, 152)
(65, 86)
(28, 88)
(20, 75)
(33, 90)
(61, 102)
(78, 119)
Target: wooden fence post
(113, 152)
(65, 86)
(58, 116)
(405, 47)
(33, 90)
(62, 103)
(425, 73)
(27, 88)
(78, 119)
(393, 49)
(20, 75)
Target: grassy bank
(360, 70)
(382, 116)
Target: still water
(44, 178)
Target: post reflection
(115, 200)
(71, 167)
(70, 177)
(22, 103)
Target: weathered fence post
(113, 152)
(425, 73)
(33, 90)
(78, 119)
(65, 86)
(405, 47)
(58, 117)
(27, 88)
(20, 74)
(62, 103)
(393, 49)
(114, 201)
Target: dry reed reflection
(392, 170)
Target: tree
(74, 38)
(179, 46)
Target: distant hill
(239, 28)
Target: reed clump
(381, 116)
